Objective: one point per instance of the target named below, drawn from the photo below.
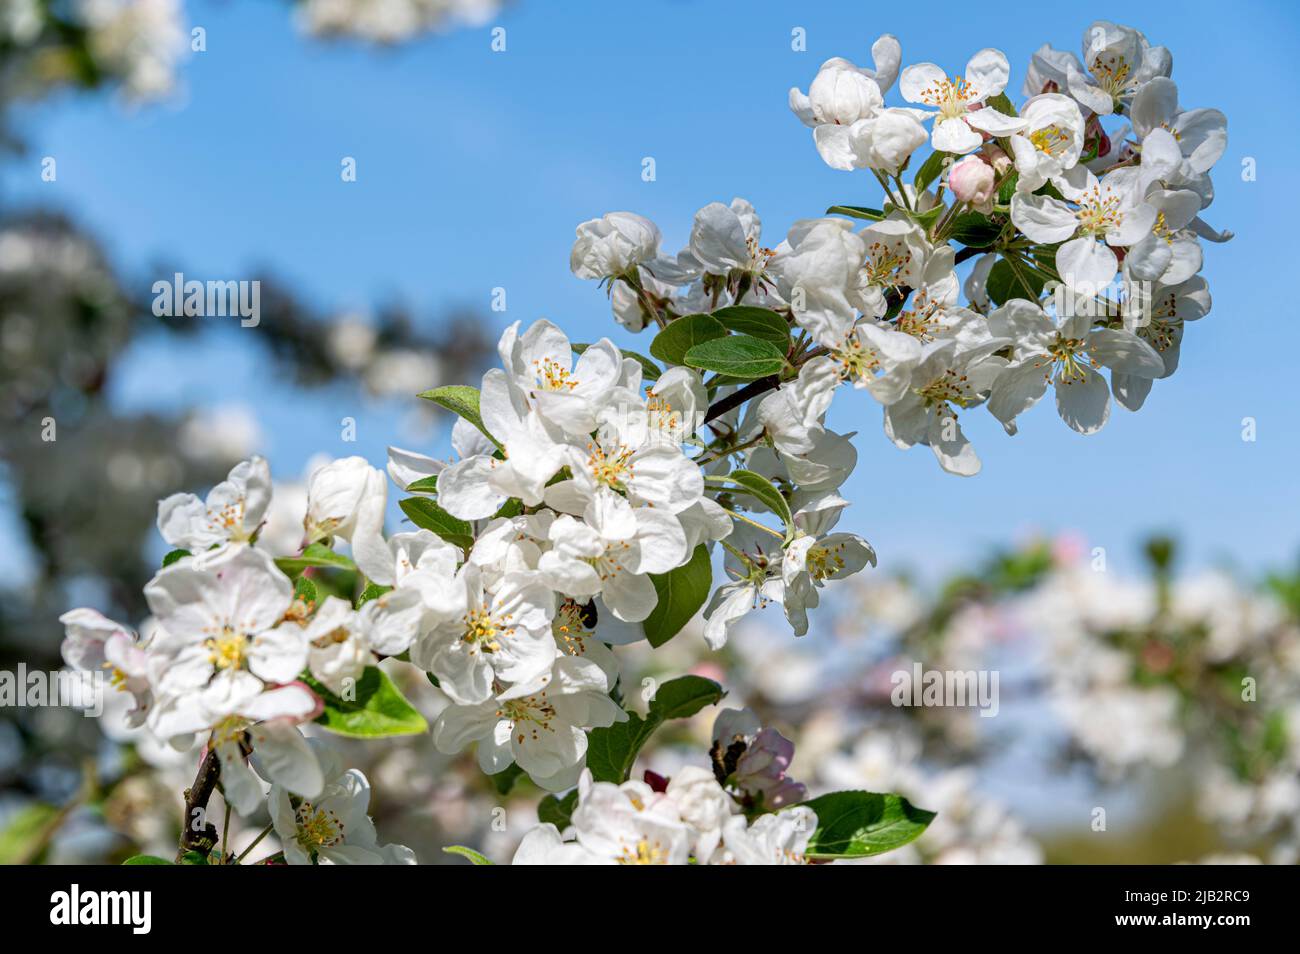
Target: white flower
(1201, 134)
(346, 498)
(945, 381)
(818, 266)
(332, 828)
(840, 94)
(703, 805)
(220, 659)
(960, 115)
(816, 555)
(479, 486)
(725, 241)
(610, 245)
(1161, 326)
(1051, 142)
(610, 553)
(1119, 61)
(779, 839)
(337, 651)
(484, 635)
(755, 584)
(884, 141)
(1068, 356)
(539, 725)
(562, 393)
(233, 512)
(1105, 211)
(94, 643)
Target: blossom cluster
(592, 488)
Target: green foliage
(425, 485)
(857, 824)
(757, 322)
(305, 589)
(474, 857)
(504, 781)
(463, 400)
(22, 838)
(975, 230)
(612, 751)
(758, 486)
(856, 212)
(1008, 279)
(743, 357)
(557, 811)
(316, 554)
(671, 344)
(427, 515)
(931, 169)
(173, 556)
(379, 708)
(148, 860)
(682, 591)
(372, 592)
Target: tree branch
(196, 797)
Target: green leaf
(975, 230)
(27, 831)
(755, 484)
(316, 554)
(612, 751)
(857, 824)
(173, 556)
(1002, 104)
(194, 858)
(304, 589)
(504, 780)
(758, 322)
(425, 485)
(474, 857)
(684, 696)
(1008, 188)
(427, 515)
(464, 401)
(856, 212)
(557, 811)
(931, 169)
(671, 344)
(649, 370)
(379, 708)
(372, 592)
(924, 219)
(147, 860)
(739, 356)
(682, 591)
(1006, 282)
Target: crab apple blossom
(598, 497)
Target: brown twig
(197, 795)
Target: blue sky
(474, 167)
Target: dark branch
(196, 797)
(739, 397)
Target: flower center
(644, 852)
(571, 629)
(856, 361)
(531, 716)
(1069, 363)
(317, 827)
(611, 467)
(884, 265)
(226, 651)
(921, 319)
(950, 96)
(484, 631)
(1052, 140)
(552, 376)
(1098, 214)
(229, 519)
(949, 388)
(1112, 73)
(825, 562)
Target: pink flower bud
(971, 180)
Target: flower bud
(972, 181)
